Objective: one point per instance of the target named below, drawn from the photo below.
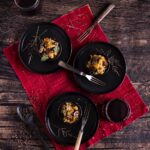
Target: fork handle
(69, 67)
(78, 141)
(104, 14)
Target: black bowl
(114, 74)
(64, 133)
(29, 54)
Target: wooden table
(127, 27)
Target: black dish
(56, 126)
(44, 30)
(117, 110)
(112, 77)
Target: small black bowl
(65, 133)
(29, 50)
(113, 75)
(116, 110)
(27, 5)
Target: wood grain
(127, 26)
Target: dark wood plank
(127, 27)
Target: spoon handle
(28, 120)
(41, 138)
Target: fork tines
(85, 34)
(85, 116)
(97, 81)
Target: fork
(81, 73)
(98, 20)
(81, 131)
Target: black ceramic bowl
(65, 133)
(113, 75)
(116, 110)
(29, 47)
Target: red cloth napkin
(43, 88)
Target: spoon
(28, 119)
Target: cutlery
(84, 121)
(98, 20)
(89, 77)
(28, 119)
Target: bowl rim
(30, 8)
